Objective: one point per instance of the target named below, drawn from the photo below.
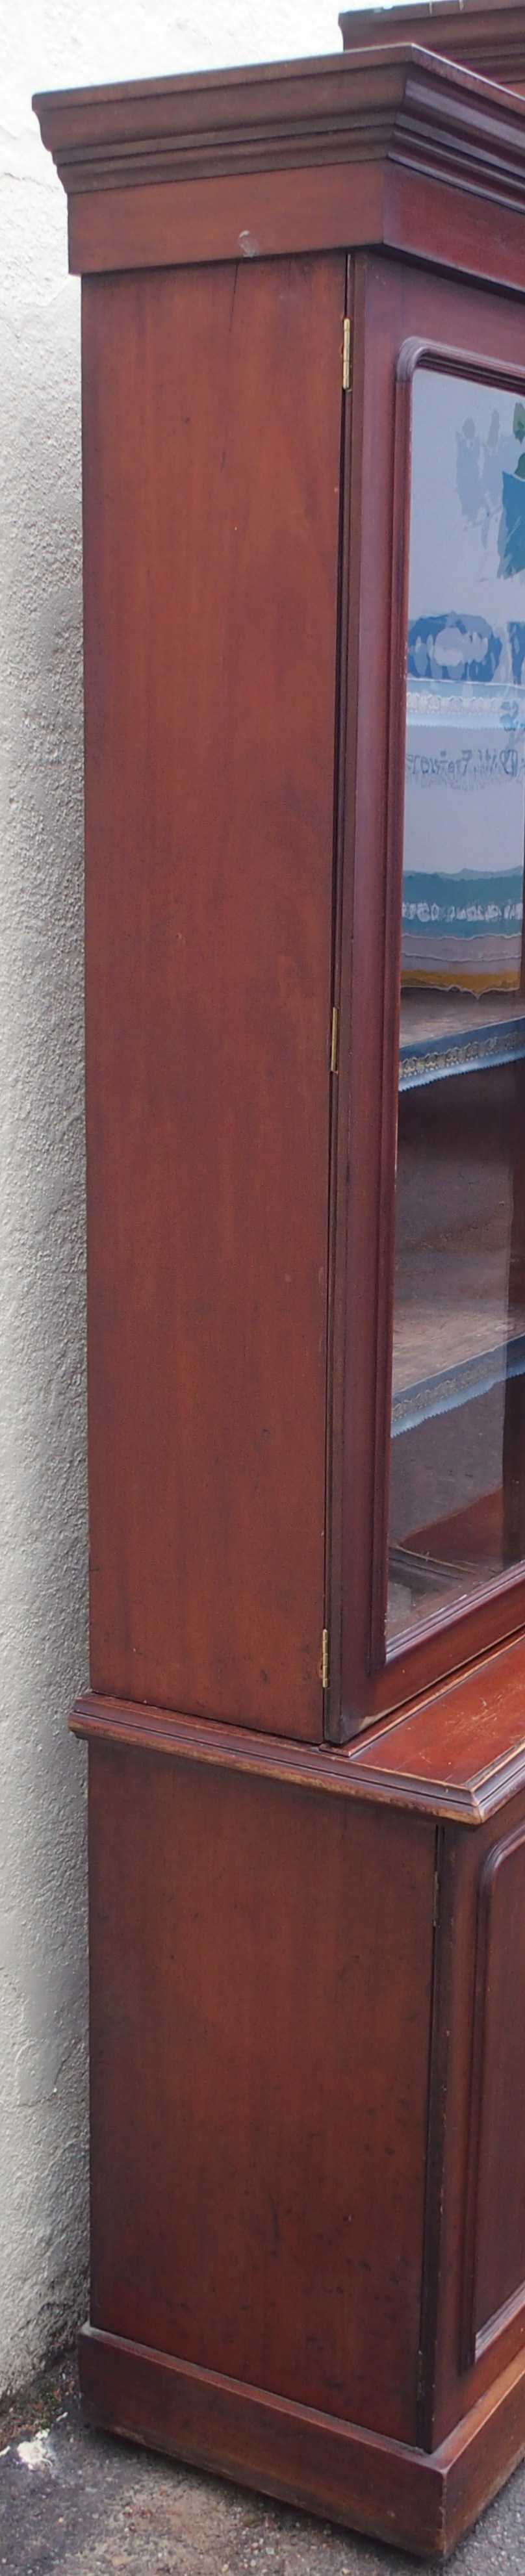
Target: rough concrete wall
(43, 1524)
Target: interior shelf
(455, 1334)
(442, 1390)
(444, 1033)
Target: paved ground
(83, 2505)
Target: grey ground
(77, 2502)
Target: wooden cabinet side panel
(260, 1976)
(212, 413)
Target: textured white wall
(48, 44)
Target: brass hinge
(324, 1659)
(334, 1036)
(346, 354)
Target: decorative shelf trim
(193, 1739)
(402, 104)
(397, 1762)
(443, 1391)
(476, 1051)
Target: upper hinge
(334, 1040)
(324, 1659)
(346, 353)
(437, 1892)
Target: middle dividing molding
(458, 1755)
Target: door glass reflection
(457, 1485)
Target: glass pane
(457, 1484)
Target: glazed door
(212, 431)
(433, 1545)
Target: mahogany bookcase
(306, 1721)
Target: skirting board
(418, 2500)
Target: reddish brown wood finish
(469, 2154)
(300, 2117)
(366, 203)
(302, 2271)
(210, 622)
(405, 104)
(496, 2233)
(248, 217)
(295, 157)
(330, 2467)
(487, 34)
(289, 2254)
(459, 1755)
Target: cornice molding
(399, 105)
(486, 35)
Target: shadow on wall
(43, 1514)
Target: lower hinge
(324, 1659)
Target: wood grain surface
(498, 2097)
(393, 147)
(306, 2023)
(486, 34)
(212, 411)
(458, 1754)
(259, 2080)
(359, 2479)
(427, 113)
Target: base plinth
(418, 2500)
